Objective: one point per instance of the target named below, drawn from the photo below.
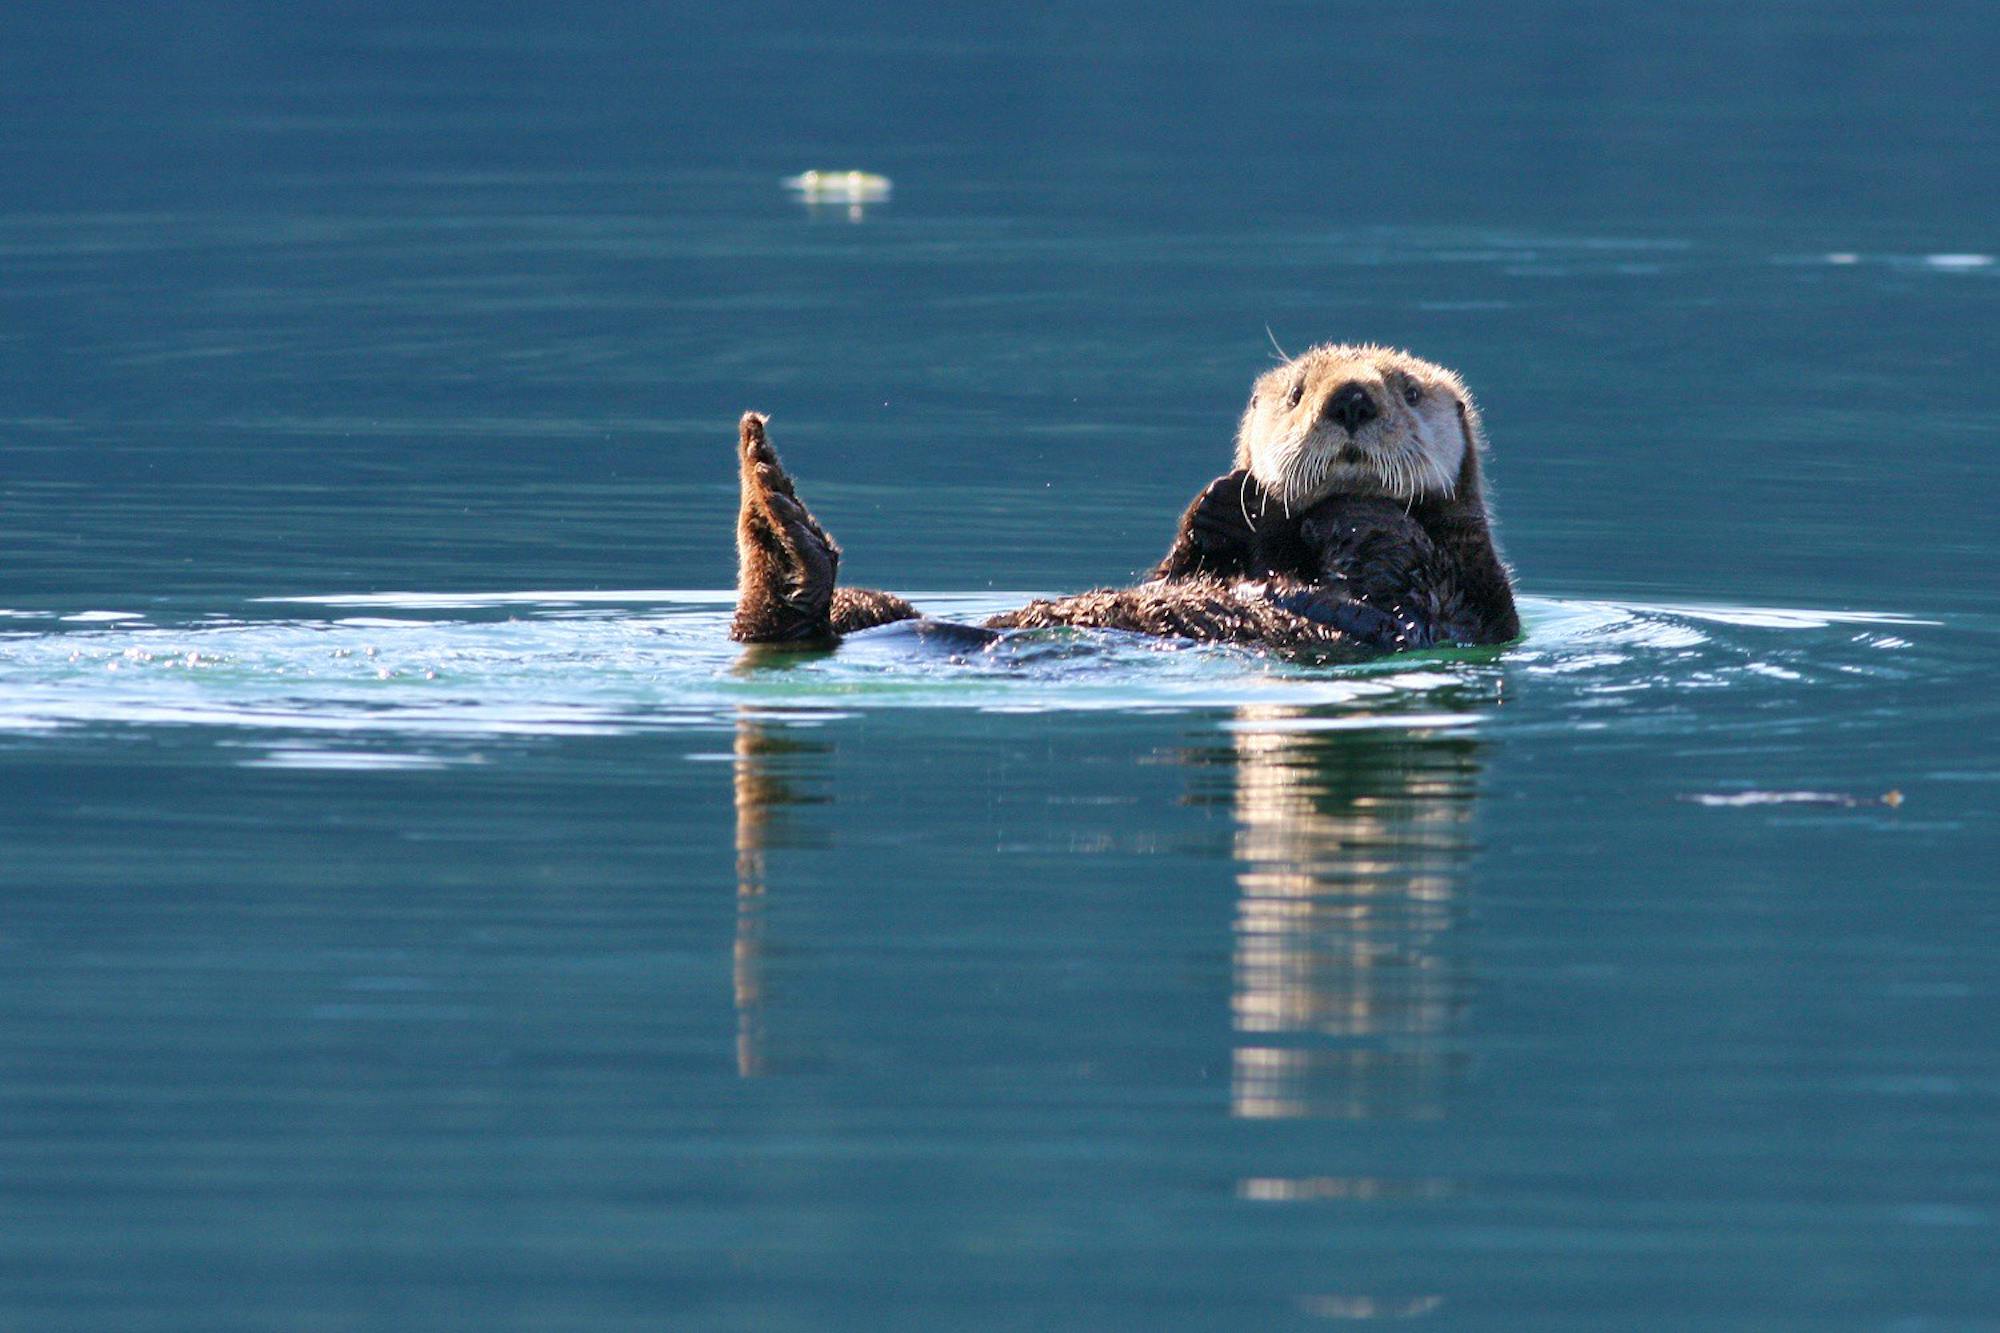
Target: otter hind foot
(785, 561)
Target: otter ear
(1468, 421)
(1475, 443)
(1243, 434)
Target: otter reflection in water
(1349, 848)
(1350, 845)
(764, 789)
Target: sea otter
(1355, 521)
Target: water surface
(416, 913)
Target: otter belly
(1204, 610)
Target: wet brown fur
(1200, 608)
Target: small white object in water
(846, 187)
(1891, 798)
(1958, 261)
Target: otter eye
(1412, 394)
(1298, 392)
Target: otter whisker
(1437, 480)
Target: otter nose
(1352, 406)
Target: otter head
(1359, 420)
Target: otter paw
(1223, 520)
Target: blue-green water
(414, 913)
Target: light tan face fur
(1296, 437)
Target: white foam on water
(356, 760)
(1355, 722)
(452, 601)
(413, 690)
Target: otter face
(1356, 420)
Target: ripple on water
(410, 680)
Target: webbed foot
(785, 561)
